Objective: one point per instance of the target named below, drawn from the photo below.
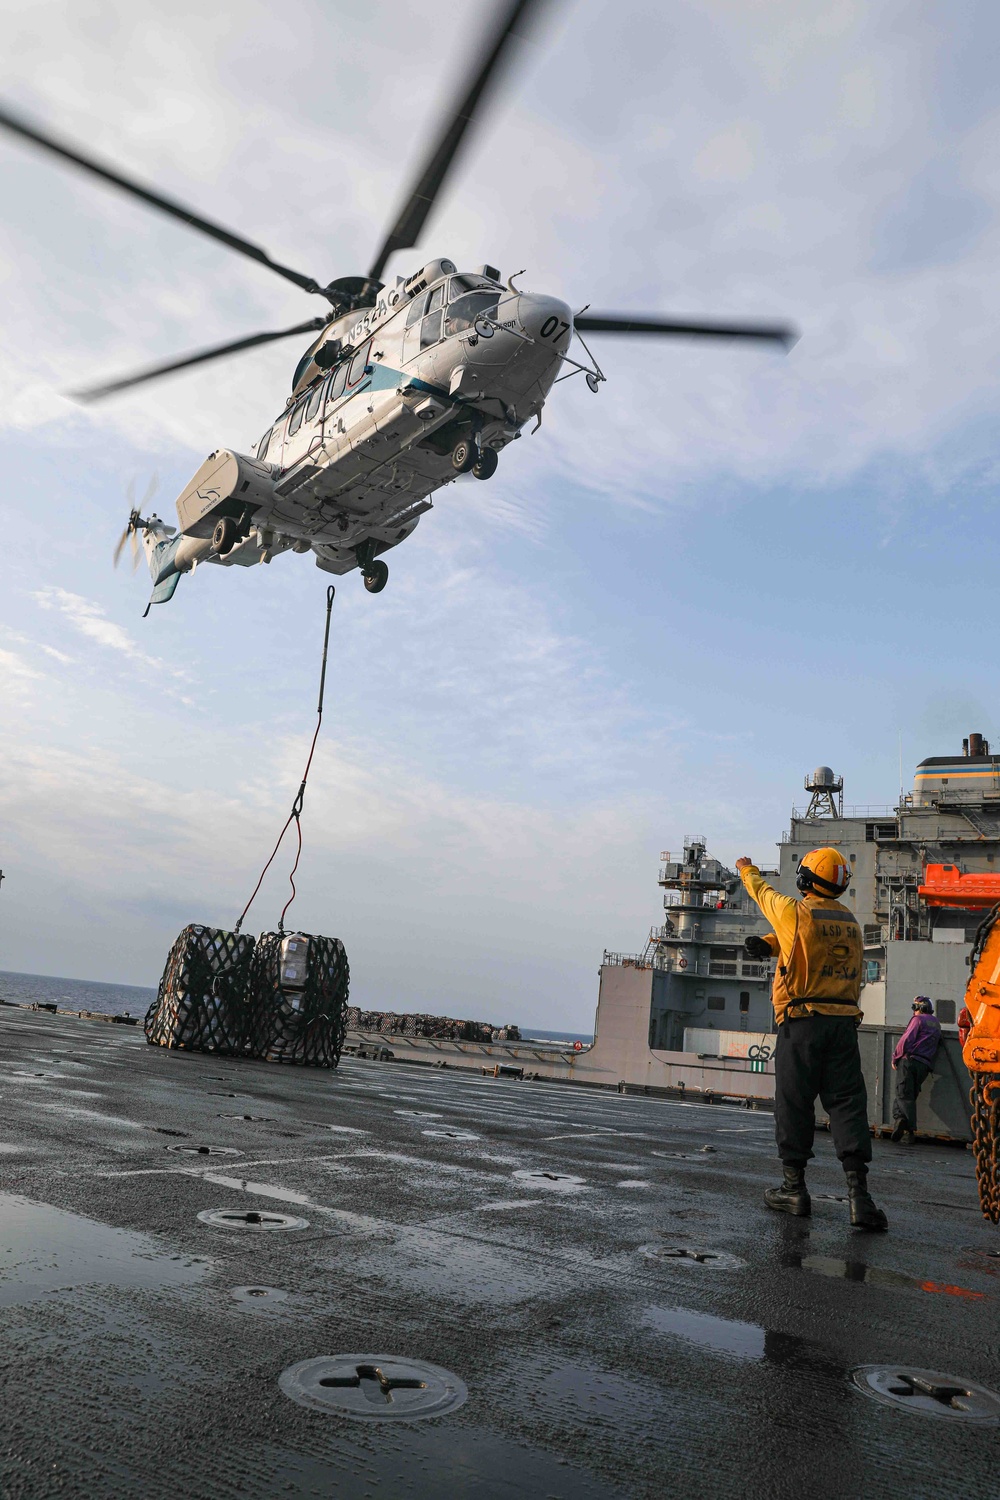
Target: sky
(669, 604)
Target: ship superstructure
(702, 978)
(917, 935)
(914, 943)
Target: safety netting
(297, 994)
(201, 1002)
(281, 997)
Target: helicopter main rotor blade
(98, 392)
(775, 333)
(516, 16)
(19, 126)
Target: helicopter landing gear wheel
(225, 536)
(464, 456)
(486, 464)
(376, 576)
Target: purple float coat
(920, 1039)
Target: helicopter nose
(546, 320)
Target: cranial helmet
(824, 871)
(922, 1003)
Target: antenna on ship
(826, 794)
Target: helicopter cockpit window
(302, 367)
(435, 298)
(461, 284)
(415, 309)
(464, 311)
(262, 445)
(295, 420)
(314, 400)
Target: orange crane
(943, 886)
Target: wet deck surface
(596, 1364)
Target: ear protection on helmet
(825, 871)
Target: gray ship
(951, 817)
(690, 1013)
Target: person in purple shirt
(914, 1055)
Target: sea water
(76, 994)
(135, 1000)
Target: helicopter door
(424, 322)
(431, 323)
(411, 337)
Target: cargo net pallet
(281, 997)
(442, 1028)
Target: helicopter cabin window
(262, 445)
(338, 380)
(436, 298)
(430, 328)
(358, 363)
(464, 311)
(315, 398)
(295, 420)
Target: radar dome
(823, 776)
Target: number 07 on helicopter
(405, 386)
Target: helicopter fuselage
(388, 405)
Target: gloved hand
(756, 948)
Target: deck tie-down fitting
(917, 1385)
(374, 1384)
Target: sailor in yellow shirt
(818, 945)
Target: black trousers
(818, 1056)
(910, 1075)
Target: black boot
(792, 1197)
(899, 1131)
(864, 1213)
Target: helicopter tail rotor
(132, 526)
(135, 523)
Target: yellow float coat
(819, 948)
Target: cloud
(51, 651)
(386, 848)
(571, 663)
(90, 620)
(15, 670)
(787, 179)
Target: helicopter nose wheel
(464, 456)
(486, 464)
(376, 576)
(225, 536)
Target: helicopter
(405, 386)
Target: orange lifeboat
(945, 885)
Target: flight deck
(228, 1278)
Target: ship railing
(728, 934)
(858, 810)
(626, 960)
(671, 963)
